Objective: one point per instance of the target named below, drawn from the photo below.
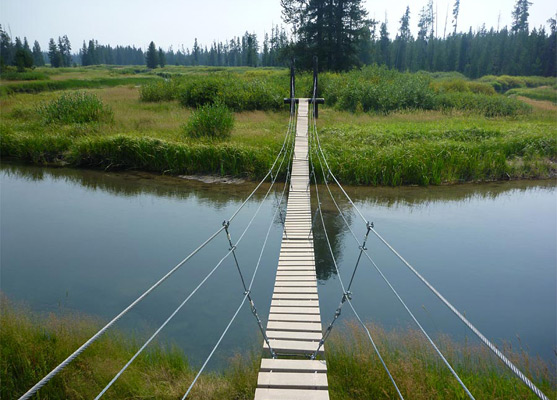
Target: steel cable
(96, 336)
(247, 291)
(342, 283)
(194, 291)
(484, 340)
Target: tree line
(342, 36)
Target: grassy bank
(31, 345)
(379, 127)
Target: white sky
(176, 22)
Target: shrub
(463, 86)
(11, 75)
(75, 107)
(490, 106)
(239, 93)
(159, 90)
(211, 120)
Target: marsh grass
(213, 121)
(543, 93)
(355, 372)
(409, 146)
(32, 344)
(75, 107)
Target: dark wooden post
(315, 79)
(292, 79)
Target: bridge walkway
(294, 327)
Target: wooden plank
(290, 394)
(295, 290)
(293, 346)
(295, 318)
(295, 296)
(295, 326)
(277, 365)
(294, 380)
(294, 303)
(294, 310)
(290, 335)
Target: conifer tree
(151, 57)
(38, 58)
(54, 54)
(161, 58)
(520, 16)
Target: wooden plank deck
(294, 326)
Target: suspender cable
(96, 336)
(192, 293)
(483, 339)
(346, 296)
(246, 294)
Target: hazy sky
(176, 22)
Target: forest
(341, 35)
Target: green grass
(31, 345)
(212, 121)
(543, 93)
(76, 107)
(429, 148)
(474, 135)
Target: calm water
(92, 242)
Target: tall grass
(32, 345)
(355, 372)
(75, 107)
(212, 121)
(503, 83)
(50, 85)
(370, 89)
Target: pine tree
(520, 16)
(195, 53)
(151, 57)
(6, 49)
(456, 10)
(161, 58)
(54, 54)
(38, 58)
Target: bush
(239, 93)
(159, 90)
(490, 106)
(211, 120)
(76, 107)
(11, 75)
(380, 89)
(463, 86)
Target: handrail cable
(486, 341)
(345, 295)
(96, 336)
(194, 291)
(363, 249)
(247, 292)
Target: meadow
(378, 126)
(163, 372)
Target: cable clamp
(347, 296)
(369, 225)
(226, 224)
(362, 248)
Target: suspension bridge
(293, 365)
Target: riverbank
(32, 344)
(408, 147)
